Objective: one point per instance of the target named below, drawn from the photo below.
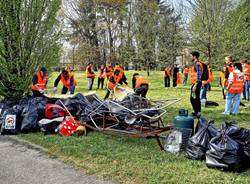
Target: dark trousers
(223, 92)
(167, 81)
(100, 82)
(107, 94)
(196, 102)
(174, 82)
(65, 90)
(37, 93)
(142, 90)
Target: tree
(28, 39)
(207, 26)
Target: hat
(44, 70)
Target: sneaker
(224, 113)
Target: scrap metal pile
(133, 115)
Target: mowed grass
(128, 160)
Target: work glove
(41, 91)
(54, 89)
(68, 92)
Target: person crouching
(68, 82)
(140, 85)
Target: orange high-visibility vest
(193, 76)
(71, 74)
(89, 75)
(247, 72)
(167, 72)
(101, 74)
(222, 78)
(185, 71)
(139, 80)
(108, 71)
(113, 80)
(238, 83)
(65, 82)
(41, 82)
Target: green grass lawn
(128, 160)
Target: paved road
(20, 164)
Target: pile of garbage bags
(227, 148)
(44, 114)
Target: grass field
(127, 160)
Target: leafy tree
(28, 39)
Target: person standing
(108, 70)
(39, 82)
(140, 85)
(167, 75)
(246, 72)
(68, 82)
(235, 88)
(222, 81)
(101, 77)
(90, 75)
(175, 72)
(205, 86)
(185, 73)
(196, 82)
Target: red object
(68, 126)
(54, 111)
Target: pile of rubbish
(227, 148)
(67, 116)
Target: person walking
(185, 73)
(235, 88)
(39, 82)
(101, 77)
(140, 85)
(167, 75)
(68, 82)
(90, 75)
(196, 82)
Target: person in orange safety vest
(68, 82)
(113, 80)
(235, 88)
(246, 72)
(90, 75)
(108, 70)
(185, 73)
(39, 82)
(140, 85)
(101, 77)
(167, 75)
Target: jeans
(90, 83)
(232, 100)
(204, 91)
(247, 89)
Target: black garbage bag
(77, 105)
(242, 136)
(202, 122)
(224, 153)
(198, 143)
(10, 121)
(30, 118)
(49, 126)
(5, 104)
